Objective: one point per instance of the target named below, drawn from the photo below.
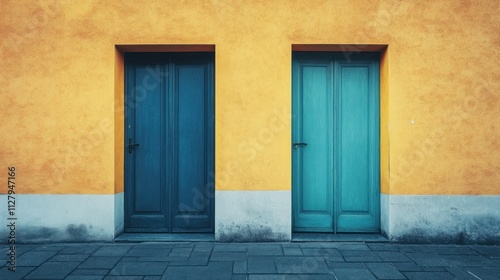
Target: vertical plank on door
(315, 133)
(191, 139)
(354, 144)
(192, 202)
(358, 183)
(313, 124)
(148, 154)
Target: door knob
(299, 144)
(131, 145)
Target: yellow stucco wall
(62, 85)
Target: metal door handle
(131, 145)
(299, 144)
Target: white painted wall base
(441, 218)
(64, 217)
(253, 216)
(256, 216)
(119, 213)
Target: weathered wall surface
(61, 124)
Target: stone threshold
(342, 237)
(165, 237)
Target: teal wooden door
(169, 142)
(335, 149)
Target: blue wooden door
(335, 149)
(169, 142)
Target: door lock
(299, 144)
(131, 145)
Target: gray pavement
(254, 261)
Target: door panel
(358, 208)
(146, 209)
(353, 133)
(335, 177)
(313, 207)
(192, 207)
(169, 113)
(191, 129)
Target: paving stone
(112, 250)
(90, 272)
(310, 277)
(123, 278)
(300, 265)
(445, 249)
(290, 245)
(461, 274)
(162, 245)
(384, 271)
(83, 277)
(265, 250)
(360, 256)
(181, 250)
(425, 259)
(20, 272)
(68, 258)
(228, 256)
(423, 275)
(163, 259)
(152, 278)
(390, 256)
(383, 247)
(432, 268)
(198, 259)
(4, 258)
(182, 244)
(495, 261)
(240, 267)
(260, 264)
(129, 259)
(322, 252)
(407, 266)
(202, 249)
(34, 258)
(467, 260)
(351, 246)
(230, 248)
(179, 255)
(183, 263)
(353, 274)
(488, 251)
(205, 244)
(80, 249)
(99, 262)
(138, 268)
(265, 277)
(329, 245)
(49, 247)
(151, 252)
(239, 277)
(407, 248)
(335, 265)
(485, 273)
(214, 270)
(52, 270)
(291, 251)
(21, 249)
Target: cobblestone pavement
(254, 261)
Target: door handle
(299, 144)
(131, 145)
